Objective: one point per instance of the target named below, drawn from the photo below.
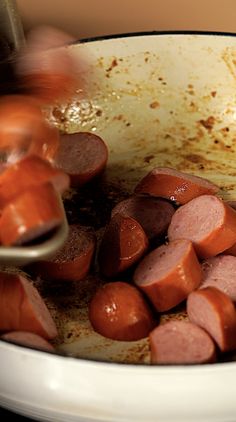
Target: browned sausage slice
(32, 214)
(214, 311)
(168, 274)
(82, 156)
(22, 308)
(220, 272)
(174, 185)
(208, 222)
(181, 342)
(30, 171)
(28, 339)
(232, 250)
(153, 214)
(73, 261)
(119, 311)
(124, 243)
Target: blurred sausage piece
(119, 311)
(32, 214)
(174, 185)
(220, 272)
(24, 130)
(28, 339)
(46, 68)
(31, 171)
(232, 249)
(208, 222)
(123, 244)
(22, 308)
(181, 342)
(153, 214)
(73, 261)
(214, 311)
(168, 274)
(82, 156)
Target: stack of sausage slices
(194, 263)
(29, 190)
(31, 180)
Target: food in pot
(32, 214)
(208, 222)
(174, 185)
(181, 342)
(22, 308)
(119, 311)
(168, 274)
(73, 261)
(154, 214)
(82, 156)
(123, 244)
(28, 339)
(214, 311)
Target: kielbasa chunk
(154, 214)
(168, 274)
(123, 244)
(208, 222)
(174, 185)
(181, 342)
(22, 308)
(220, 272)
(82, 156)
(214, 311)
(73, 261)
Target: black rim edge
(154, 32)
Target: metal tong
(12, 38)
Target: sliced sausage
(32, 214)
(82, 156)
(174, 185)
(30, 171)
(44, 69)
(73, 261)
(181, 342)
(22, 308)
(153, 214)
(220, 272)
(119, 311)
(28, 339)
(208, 222)
(214, 311)
(168, 274)
(24, 130)
(232, 250)
(123, 244)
